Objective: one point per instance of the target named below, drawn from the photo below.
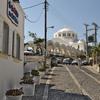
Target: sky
(71, 14)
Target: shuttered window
(18, 46)
(5, 38)
(13, 43)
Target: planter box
(14, 97)
(28, 89)
(36, 79)
(42, 74)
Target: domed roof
(67, 34)
(65, 29)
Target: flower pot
(28, 89)
(36, 79)
(14, 94)
(42, 74)
(14, 97)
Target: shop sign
(12, 12)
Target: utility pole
(45, 31)
(95, 29)
(86, 28)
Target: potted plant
(14, 94)
(36, 76)
(28, 86)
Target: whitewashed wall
(11, 70)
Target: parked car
(66, 61)
(28, 53)
(59, 60)
(74, 62)
(85, 62)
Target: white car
(74, 62)
(28, 53)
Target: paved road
(68, 83)
(87, 80)
(64, 87)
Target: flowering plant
(14, 92)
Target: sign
(12, 12)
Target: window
(73, 35)
(13, 42)
(68, 34)
(18, 46)
(64, 34)
(5, 38)
(59, 35)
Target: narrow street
(68, 83)
(88, 81)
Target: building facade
(65, 42)
(11, 45)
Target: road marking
(90, 76)
(45, 94)
(77, 83)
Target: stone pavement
(62, 86)
(91, 71)
(85, 78)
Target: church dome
(66, 33)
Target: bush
(42, 69)
(14, 92)
(35, 73)
(27, 81)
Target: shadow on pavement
(39, 92)
(50, 74)
(46, 78)
(59, 65)
(54, 94)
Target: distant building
(65, 42)
(11, 45)
(68, 38)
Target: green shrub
(35, 73)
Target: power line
(35, 20)
(33, 6)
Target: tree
(33, 35)
(91, 38)
(96, 53)
(38, 41)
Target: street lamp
(51, 27)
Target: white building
(69, 38)
(11, 45)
